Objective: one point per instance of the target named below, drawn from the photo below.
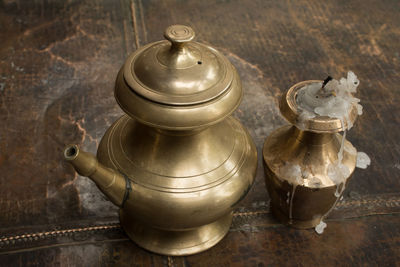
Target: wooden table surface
(58, 63)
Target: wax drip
(294, 186)
(363, 161)
(342, 170)
(320, 227)
(293, 173)
(334, 99)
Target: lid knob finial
(178, 35)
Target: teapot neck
(179, 132)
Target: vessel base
(298, 224)
(176, 243)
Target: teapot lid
(177, 75)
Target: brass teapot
(177, 163)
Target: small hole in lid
(199, 62)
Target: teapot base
(176, 243)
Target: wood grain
(58, 63)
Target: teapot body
(184, 183)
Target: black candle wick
(329, 78)
(322, 92)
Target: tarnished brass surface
(178, 164)
(303, 203)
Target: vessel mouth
(320, 124)
(71, 152)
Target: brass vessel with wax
(177, 163)
(309, 163)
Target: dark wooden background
(58, 63)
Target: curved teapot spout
(113, 184)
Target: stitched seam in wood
(59, 232)
(170, 261)
(250, 213)
(55, 233)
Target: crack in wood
(134, 22)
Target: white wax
(320, 227)
(335, 100)
(363, 161)
(291, 172)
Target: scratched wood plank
(363, 241)
(252, 219)
(345, 243)
(56, 88)
(58, 62)
(95, 253)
